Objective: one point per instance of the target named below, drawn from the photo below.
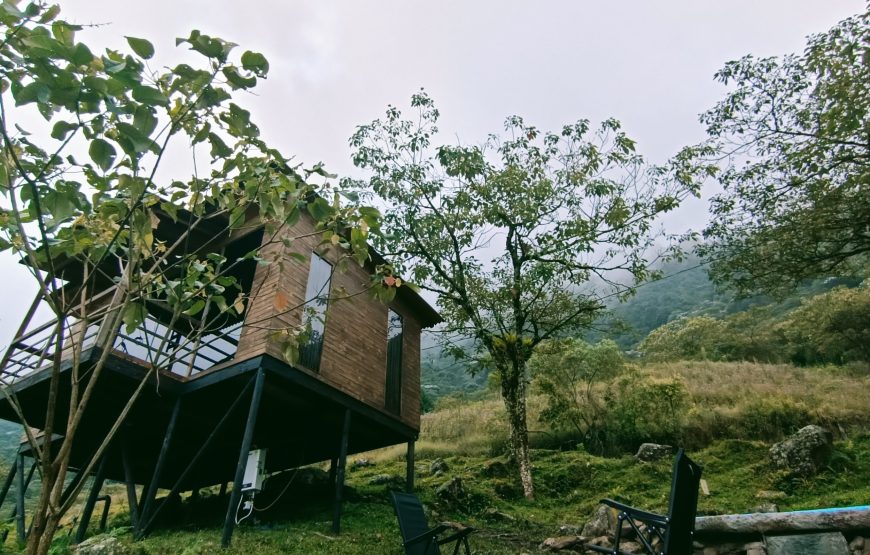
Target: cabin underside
(183, 434)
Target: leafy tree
(566, 372)
(833, 327)
(517, 237)
(795, 135)
(82, 185)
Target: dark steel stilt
(71, 486)
(131, 485)
(8, 483)
(247, 439)
(223, 490)
(94, 494)
(148, 499)
(409, 468)
(26, 485)
(176, 488)
(339, 474)
(19, 501)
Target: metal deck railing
(150, 345)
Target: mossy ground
(569, 483)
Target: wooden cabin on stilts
(228, 407)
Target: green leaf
(133, 317)
(149, 95)
(236, 80)
(320, 210)
(141, 47)
(61, 129)
(195, 308)
(144, 120)
(219, 148)
(102, 153)
(255, 62)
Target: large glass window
(314, 311)
(393, 392)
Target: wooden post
(247, 439)
(148, 500)
(333, 465)
(19, 499)
(409, 468)
(8, 483)
(92, 498)
(339, 474)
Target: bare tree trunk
(513, 390)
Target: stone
(649, 452)
(452, 491)
(494, 514)
(570, 530)
(561, 543)
(387, 480)
(310, 476)
(771, 495)
(710, 550)
(103, 545)
(495, 469)
(754, 548)
(805, 453)
(438, 465)
(601, 524)
(833, 543)
(765, 508)
(603, 541)
(361, 463)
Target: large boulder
(649, 452)
(105, 545)
(804, 453)
(602, 524)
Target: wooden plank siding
(355, 337)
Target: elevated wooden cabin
(355, 388)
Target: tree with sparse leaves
(81, 186)
(794, 136)
(520, 237)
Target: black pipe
(131, 485)
(8, 483)
(99, 478)
(409, 468)
(19, 498)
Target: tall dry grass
(728, 400)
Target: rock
(438, 465)
(361, 463)
(755, 548)
(506, 489)
(561, 543)
(808, 544)
(601, 524)
(452, 491)
(710, 550)
(630, 547)
(495, 469)
(765, 508)
(804, 453)
(771, 495)
(387, 480)
(494, 514)
(103, 545)
(570, 530)
(310, 476)
(649, 452)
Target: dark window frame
(394, 362)
(314, 311)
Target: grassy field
(469, 436)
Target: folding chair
(675, 530)
(417, 537)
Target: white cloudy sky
(336, 64)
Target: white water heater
(255, 471)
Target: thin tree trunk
(514, 395)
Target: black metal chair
(417, 537)
(674, 530)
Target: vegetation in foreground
(738, 410)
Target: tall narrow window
(314, 311)
(393, 393)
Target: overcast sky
(335, 65)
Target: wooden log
(816, 520)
